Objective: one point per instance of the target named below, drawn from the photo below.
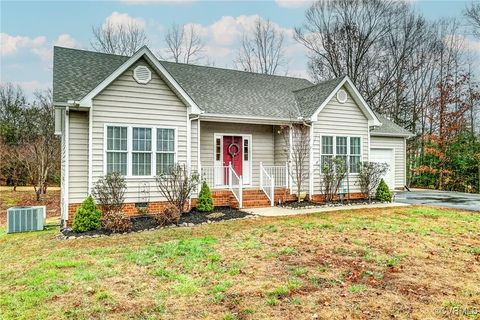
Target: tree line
(29, 149)
(416, 72)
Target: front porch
(244, 164)
(229, 189)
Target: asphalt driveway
(457, 200)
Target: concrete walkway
(278, 212)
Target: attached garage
(388, 144)
(387, 156)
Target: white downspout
(67, 163)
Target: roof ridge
(91, 51)
(188, 64)
(320, 83)
(235, 70)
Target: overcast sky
(29, 29)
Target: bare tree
(296, 138)
(334, 170)
(109, 191)
(40, 149)
(263, 50)
(12, 132)
(123, 39)
(184, 44)
(472, 13)
(177, 185)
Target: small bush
(87, 216)
(177, 185)
(205, 201)
(170, 215)
(117, 222)
(383, 193)
(110, 192)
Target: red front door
(233, 153)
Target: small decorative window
(342, 96)
(245, 150)
(142, 74)
(218, 148)
(117, 150)
(165, 150)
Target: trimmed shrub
(205, 201)
(87, 216)
(170, 215)
(383, 193)
(117, 222)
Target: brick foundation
(252, 198)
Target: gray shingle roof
(233, 92)
(389, 128)
(309, 99)
(77, 72)
(214, 90)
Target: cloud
(293, 3)
(66, 40)
(150, 2)
(117, 19)
(460, 41)
(39, 46)
(223, 37)
(11, 44)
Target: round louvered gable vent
(142, 74)
(342, 96)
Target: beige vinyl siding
(281, 145)
(78, 156)
(337, 119)
(262, 143)
(398, 144)
(126, 102)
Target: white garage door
(386, 156)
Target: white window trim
(130, 151)
(334, 137)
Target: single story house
(138, 115)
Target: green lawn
(406, 262)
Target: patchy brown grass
(406, 262)
(25, 196)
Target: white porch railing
(279, 174)
(215, 176)
(235, 185)
(267, 183)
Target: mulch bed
(191, 218)
(309, 204)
